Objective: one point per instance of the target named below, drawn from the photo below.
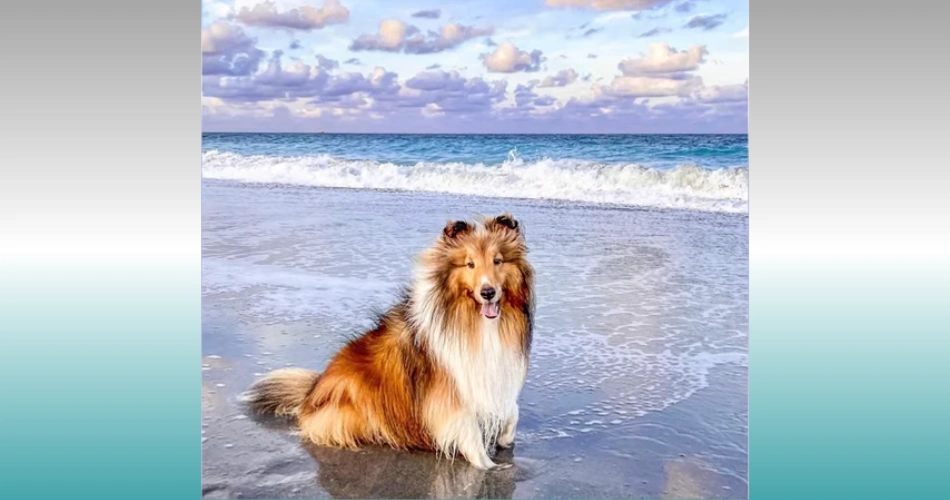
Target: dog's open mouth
(490, 310)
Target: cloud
(629, 118)
(223, 38)
(379, 91)
(227, 50)
(301, 81)
(448, 102)
(391, 37)
(654, 32)
(304, 18)
(661, 59)
(705, 22)
(245, 89)
(644, 86)
(526, 100)
(397, 36)
(428, 14)
(295, 44)
(744, 33)
(662, 72)
(608, 4)
(723, 93)
(685, 7)
(562, 78)
(326, 63)
(509, 59)
(591, 31)
(451, 92)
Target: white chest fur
(489, 376)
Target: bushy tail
(281, 392)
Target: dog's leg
(507, 436)
(461, 433)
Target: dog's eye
(497, 261)
(471, 265)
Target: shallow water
(638, 378)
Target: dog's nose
(488, 293)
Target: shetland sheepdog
(442, 369)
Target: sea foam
(685, 186)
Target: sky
(483, 66)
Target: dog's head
(485, 262)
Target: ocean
(699, 172)
(638, 382)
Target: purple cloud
(227, 50)
(663, 60)
(723, 93)
(509, 59)
(685, 7)
(705, 23)
(562, 78)
(244, 89)
(326, 63)
(304, 18)
(451, 92)
(654, 32)
(428, 14)
(397, 36)
(637, 5)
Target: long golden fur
(442, 369)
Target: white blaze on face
(490, 309)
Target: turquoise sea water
(710, 151)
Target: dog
(441, 370)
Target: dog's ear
(507, 221)
(454, 228)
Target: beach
(637, 385)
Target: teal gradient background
(849, 378)
(100, 369)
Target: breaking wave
(631, 184)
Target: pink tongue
(489, 310)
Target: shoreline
(554, 203)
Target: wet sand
(638, 381)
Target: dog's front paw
(482, 462)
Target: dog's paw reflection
(376, 472)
